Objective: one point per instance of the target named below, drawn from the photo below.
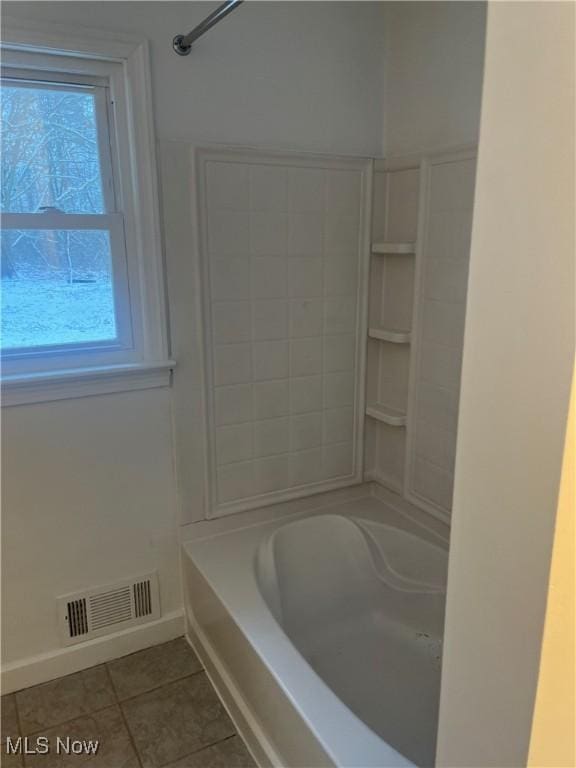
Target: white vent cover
(103, 610)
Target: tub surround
(421, 226)
(283, 248)
(333, 296)
(319, 617)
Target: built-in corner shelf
(386, 415)
(387, 334)
(393, 248)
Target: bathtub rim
(407, 516)
(404, 519)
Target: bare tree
(49, 158)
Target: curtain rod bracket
(182, 44)
(179, 48)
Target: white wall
(283, 74)
(518, 362)
(434, 59)
(88, 498)
(89, 487)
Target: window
(63, 256)
(80, 257)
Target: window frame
(120, 63)
(43, 357)
(110, 220)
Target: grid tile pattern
(283, 269)
(443, 306)
(152, 709)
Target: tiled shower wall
(283, 266)
(441, 314)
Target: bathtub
(321, 631)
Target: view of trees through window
(56, 282)
(49, 151)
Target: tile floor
(153, 709)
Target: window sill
(69, 384)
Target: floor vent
(107, 609)
(77, 618)
(142, 598)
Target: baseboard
(65, 661)
(264, 754)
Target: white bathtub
(322, 632)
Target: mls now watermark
(43, 745)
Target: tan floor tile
(64, 699)
(226, 754)
(9, 720)
(9, 728)
(175, 720)
(153, 667)
(115, 749)
(8, 759)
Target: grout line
(117, 700)
(251, 351)
(71, 720)
(62, 677)
(323, 334)
(286, 454)
(118, 703)
(109, 676)
(205, 746)
(123, 716)
(290, 337)
(148, 647)
(17, 710)
(162, 685)
(19, 727)
(93, 666)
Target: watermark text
(44, 745)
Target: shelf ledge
(387, 334)
(393, 248)
(386, 415)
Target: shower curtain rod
(182, 44)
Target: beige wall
(434, 56)
(553, 738)
(518, 358)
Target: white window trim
(141, 204)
